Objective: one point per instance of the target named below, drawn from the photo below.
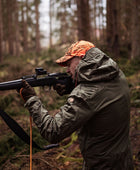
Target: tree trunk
(63, 24)
(94, 21)
(102, 34)
(17, 43)
(37, 27)
(135, 29)
(50, 16)
(24, 28)
(26, 25)
(10, 26)
(1, 34)
(112, 27)
(83, 14)
(115, 44)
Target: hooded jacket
(98, 108)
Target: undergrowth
(11, 102)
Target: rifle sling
(18, 130)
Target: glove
(60, 88)
(64, 86)
(26, 91)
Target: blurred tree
(71, 20)
(125, 24)
(83, 17)
(37, 2)
(50, 17)
(1, 34)
(24, 25)
(17, 35)
(135, 36)
(67, 20)
(113, 27)
(10, 27)
(101, 21)
(63, 28)
(98, 21)
(94, 21)
(20, 26)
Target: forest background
(34, 33)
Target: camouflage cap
(77, 49)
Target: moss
(135, 97)
(24, 65)
(6, 101)
(73, 139)
(129, 67)
(10, 145)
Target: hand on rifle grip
(60, 88)
(26, 91)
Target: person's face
(71, 65)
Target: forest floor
(68, 155)
(14, 154)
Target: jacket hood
(96, 66)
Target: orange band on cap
(77, 49)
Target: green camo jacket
(98, 109)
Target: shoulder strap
(18, 130)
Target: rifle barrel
(49, 80)
(10, 85)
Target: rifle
(50, 79)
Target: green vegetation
(69, 153)
(129, 67)
(11, 102)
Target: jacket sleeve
(71, 117)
